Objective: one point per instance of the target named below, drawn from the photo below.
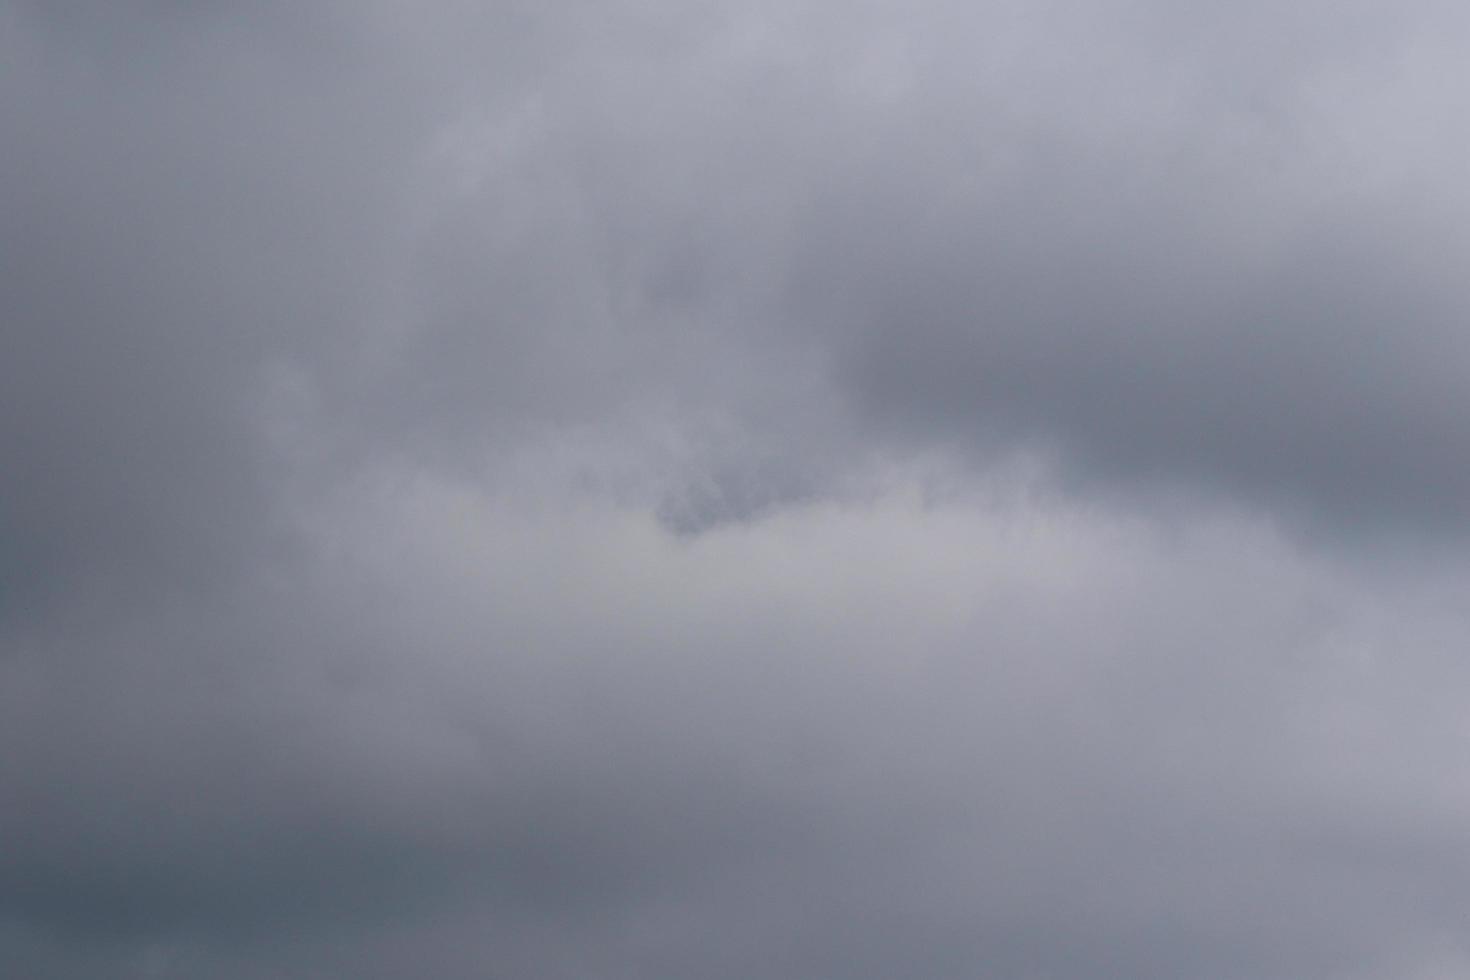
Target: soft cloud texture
(714, 490)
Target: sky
(712, 490)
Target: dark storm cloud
(614, 490)
(1174, 252)
(1218, 252)
(1123, 327)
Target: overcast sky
(715, 490)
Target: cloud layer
(726, 490)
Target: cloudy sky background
(725, 490)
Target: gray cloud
(589, 489)
(983, 749)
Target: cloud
(968, 736)
(731, 490)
